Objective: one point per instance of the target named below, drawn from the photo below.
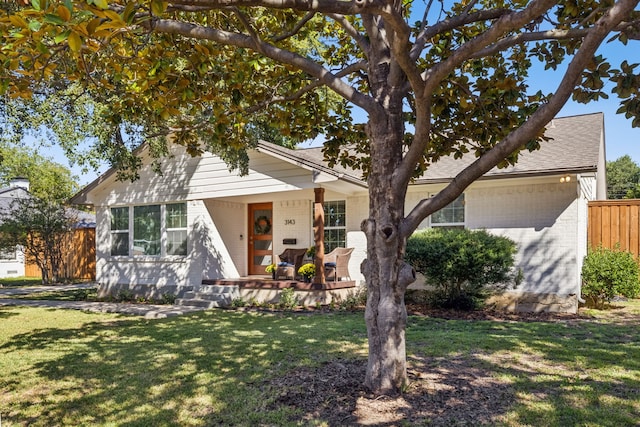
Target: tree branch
(324, 76)
(297, 28)
(351, 7)
(528, 37)
(529, 130)
(506, 23)
(352, 31)
(452, 23)
(278, 99)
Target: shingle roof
(575, 147)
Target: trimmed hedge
(464, 266)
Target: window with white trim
(176, 224)
(335, 225)
(451, 216)
(120, 231)
(149, 230)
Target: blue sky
(620, 137)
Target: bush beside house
(463, 266)
(607, 273)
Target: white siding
(14, 267)
(542, 219)
(210, 256)
(229, 218)
(292, 219)
(190, 178)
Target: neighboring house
(79, 257)
(12, 262)
(198, 221)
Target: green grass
(18, 282)
(63, 367)
(66, 295)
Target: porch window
(451, 216)
(335, 225)
(146, 230)
(176, 223)
(120, 231)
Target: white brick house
(205, 218)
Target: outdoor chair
(289, 262)
(336, 264)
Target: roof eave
(289, 156)
(514, 174)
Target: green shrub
(464, 266)
(168, 298)
(125, 295)
(354, 299)
(238, 302)
(607, 273)
(288, 299)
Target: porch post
(318, 234)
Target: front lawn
(64, 367)
(19, 282)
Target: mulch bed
(450, 394)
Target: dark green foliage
(623, 178)
(607, 273)
(464, 266)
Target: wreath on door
(262, 225)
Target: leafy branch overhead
(210, 70)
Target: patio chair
(336, 264)
(289, 262)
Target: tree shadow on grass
(199, 369)
(239, 368)
(483, 373)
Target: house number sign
(289, 222)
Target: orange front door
(260, 237)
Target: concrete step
(209, 296)
(206, 296)
(192, 302)
(215, 289)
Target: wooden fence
(80, 257)
(615, 221)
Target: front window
(335, 225)
(451, 216)
(155, 230)
(146, 230)
(176, 223)
(120, 231)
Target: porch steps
(209, 296)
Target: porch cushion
(285, 264)
(330, 264)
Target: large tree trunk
(385, 271)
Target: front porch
(265, 282)
(222, 292)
